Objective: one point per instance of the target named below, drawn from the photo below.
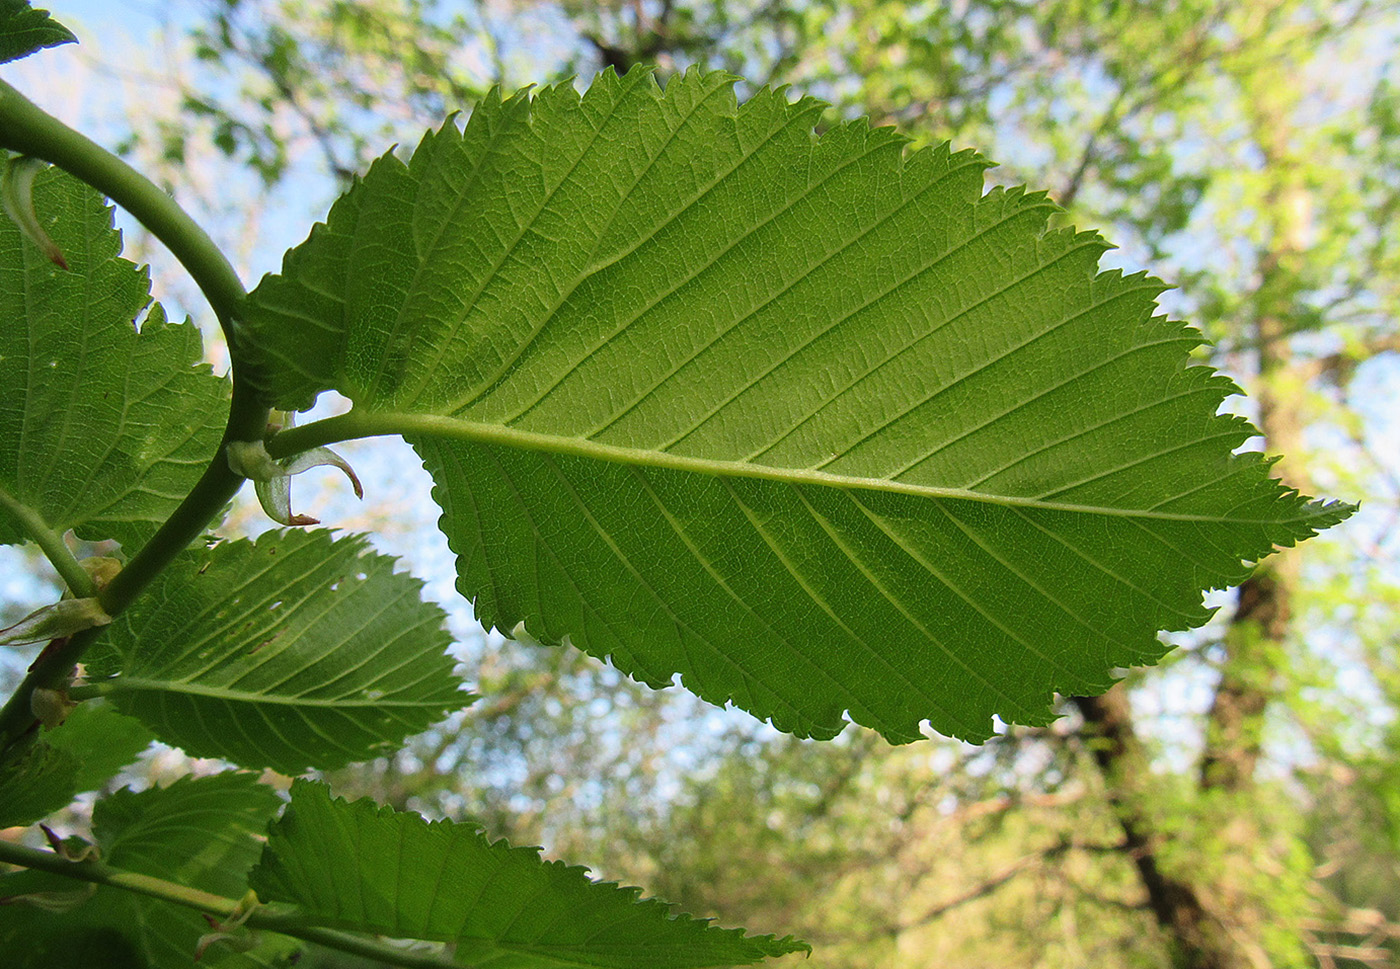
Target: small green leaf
(370, 869)
(45, 775)
(813, 422)
(102, 429)
(24, 30)
(293, 651)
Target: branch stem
(281, 919)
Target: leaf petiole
(53, 546)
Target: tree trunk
(1213, 922)
(1200, 939)
(1263, 608)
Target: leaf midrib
(124, 684)
(357, 424)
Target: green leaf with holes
(103, 429)
(296, 650)
(367, 868)
(813, 422)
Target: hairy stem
(24, 127)
(51, 544)
(284, 921)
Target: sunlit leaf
(813, 423)
(293, 651)
(102, 429)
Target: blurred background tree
(1237, 806)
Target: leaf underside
(202, 832)
(371, 869)
(296, 650)
(102, 430)
(24, 30)
(82, 754)
(814, 423)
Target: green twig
(216, 487)
(275, 919)
(52, 545)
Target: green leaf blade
(361, 867)
(24, 30)
(82, 754)
(848, 578)
(291, 651)
(102, 429)
(813, 423)
(202, 832)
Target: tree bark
(1213, 923)
(1200, 939)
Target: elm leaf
(293, 651)
(202, 832)
(24, 30)
(43, 776)
(815, 423)
(103, 429)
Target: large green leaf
(24, 30)
(201, 832)
(82, 754)
(813, 423)
(371, 869)
(291, 652)
(102, 429)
